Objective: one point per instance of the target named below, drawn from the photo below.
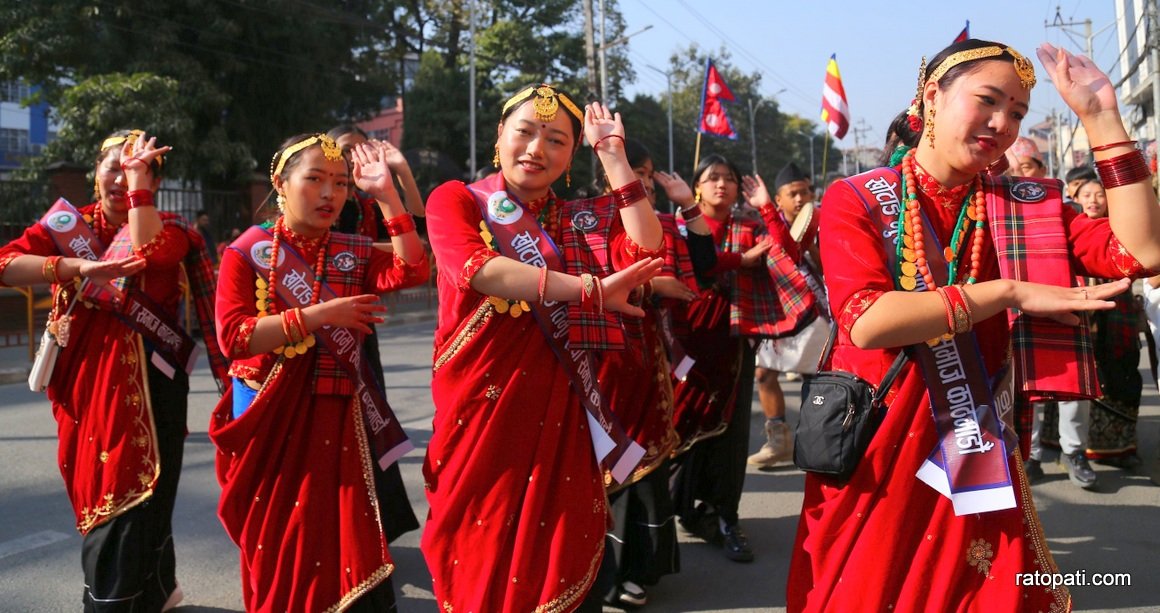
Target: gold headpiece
(330, 150)
(546, 103)
(1023, 67)
(131, 137)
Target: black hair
(342, 130)
(712, 160)
(899, 132)
(577, 128)
(200, 212)
(1080, 172)
(291, 162)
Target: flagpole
(697, 154)
(825, 154)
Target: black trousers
(128, 561)
(395, 512)
(713, 471)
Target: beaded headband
(1024, 69)
(131, 137)
(546, 103)
(330, 150)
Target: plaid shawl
(1051, 359)
(329, 376)
(677, 261)
(771, 305)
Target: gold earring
(97, 188)
(495, 160)
(568, 175)
(930, 128)
(697, 195)
(281, 202)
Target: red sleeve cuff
(1125, 262)
(859, 303)
(474, 262)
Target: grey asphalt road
(1113, 530)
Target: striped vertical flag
(835, 111)
(965, 34)
(714, 120)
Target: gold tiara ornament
(330, 150)
(546, 104)
(1023, 67)
(131, 138)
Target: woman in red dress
(296, 431)
(912, 529)
(122, 433)
(518, 509)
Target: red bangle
(287, 327)
(942, 293)
(960, 311)
(599, 296)
(604, 138)
(1123, 143)
(693, 217)
(1123, 170)
(397, 226)
(140, 197)
(627, 195)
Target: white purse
(46, 355)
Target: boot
(778, 445)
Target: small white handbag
(46, 355)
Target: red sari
(518, 509)
(108, 453)
(853, 540)
(298, 493)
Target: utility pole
(471, 92)
(753, 132)
(859, 130)
(813, 172)
(603, 58)
(669, 81)
(1154, 60)
(590, 52)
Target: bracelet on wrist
(604, 138)
(399, 225)
(630, 194)
(1124, 169)
(1123, 143)
(140, 198)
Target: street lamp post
(753, 134)
(810, 136)
(602, 50)
(669, 82)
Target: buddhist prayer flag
(713, 118)
(835, 111)
(965, 34)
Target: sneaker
(1079, 471)
(630, 594)
(1034, 471)
(778, 447)
(736, 544)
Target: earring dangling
(568, 175)
(697, 195)
(97, 188)
(281, 202)
(495, 160)
(930, 128)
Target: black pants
(128, 561)
(713, 471)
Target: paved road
(1113, 530)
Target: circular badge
(503, 210)
(62, 221)
(1028, 191)
(585, 221)
(260, 253)
(345, 261)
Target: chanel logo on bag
(819, 400)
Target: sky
(877, 43)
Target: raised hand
(371, 169)
(136, 156)
(1062, 303)
(354, 312)
(604, 128)
(1082, 85)
(619, 285)
(755, 191)
(675, 188)
(394, 158)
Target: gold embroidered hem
(575, 592)
(1036, 540)
(466, 332)
(362, 588)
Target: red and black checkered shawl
(590, 252)
(772, 305)
(677, 264)
(329, 376)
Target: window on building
(13, 141)
(383, 134)
(14, 91)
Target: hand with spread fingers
(1063, 303)
(619, 285)
(372, 171)
(675, 188)
(1082, 85)
(137, 156)
(755, 191)
(603, 128)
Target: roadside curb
(15, 374)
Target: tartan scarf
(583, 251)
(771, 305)
(1051, 360)
(678, 263)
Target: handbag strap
(887, 380)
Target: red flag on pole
(835, 111)
(713, 118)
(965, 34)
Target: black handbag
(840, 412)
